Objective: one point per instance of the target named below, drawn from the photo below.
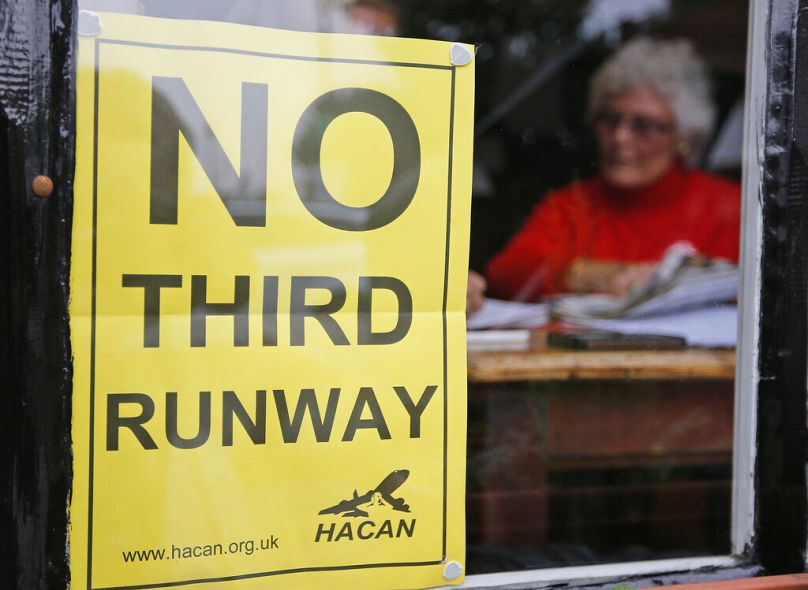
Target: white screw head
(452, 571)
(89, 24)
(461, 56)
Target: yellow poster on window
(267, 308)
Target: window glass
(585, 447)
(578, 455)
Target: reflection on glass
(578, 457)
(368, 17)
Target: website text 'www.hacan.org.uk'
(174, 552)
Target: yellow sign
(267, 312)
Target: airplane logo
(381, 495)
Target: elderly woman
(651, 112)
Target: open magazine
(685, 296)
(682, 280)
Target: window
(578, 458)
(573, 472)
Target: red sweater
(593, 220)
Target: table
(542, 363)
(611, 446)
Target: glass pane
(584, 448)
(589, 448)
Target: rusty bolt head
(42, 185)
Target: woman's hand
(618, 278)
(475, 292)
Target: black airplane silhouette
(382, 492)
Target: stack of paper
(498, 340)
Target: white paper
(496, 313)
(498, 340)
(714, 326)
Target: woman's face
(637, 138)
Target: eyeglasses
(641, 127)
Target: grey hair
(671, 68)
